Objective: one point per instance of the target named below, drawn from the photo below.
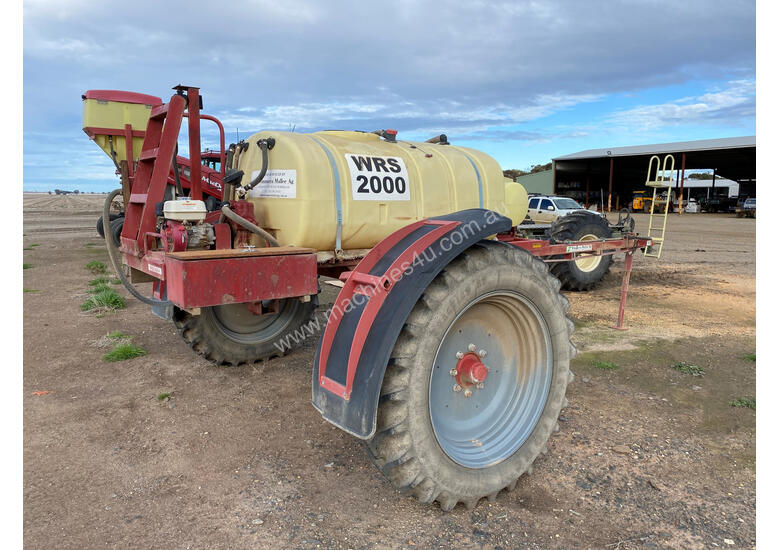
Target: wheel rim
(588, 263)
(238, 323)
(493, 423)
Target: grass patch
(605, 365)
(30, 290)
(99, 288)
(106, 299)
(30, 247)
(687, 368)
(99, 281)
(118, 335)
(34, 245)
(96, 267)
(163, 396)
(26, 266)
(116, 282)
(744, 403)
(122, 352)
(750, 357)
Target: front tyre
(583, 273)
(476, 380)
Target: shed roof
(662, 148)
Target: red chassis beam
(203, 283)
(564, 252)
(227, 278)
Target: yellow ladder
(659, 181)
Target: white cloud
(735, 101)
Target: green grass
(605, 365)
(106, 299)
(26, 266)
(96, 267)
(687, 368)
(102, 283)
(122, 352)
(163, 396)
(30, 290)
(744, 402)
(750, 357)
(99, 288)
(117, 335)
(30, 247)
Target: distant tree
(514, 173)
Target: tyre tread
(391, 449)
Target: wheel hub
(478, 422)
(470, 370)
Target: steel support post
(624, 290)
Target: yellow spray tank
(346, 191)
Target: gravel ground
(647, 457)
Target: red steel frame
(193, 281)
(565, 252)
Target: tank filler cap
(388, 134)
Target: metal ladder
(659, 181)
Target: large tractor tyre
(476, 380)
(99, 226)
(232, 334)
(584, 273)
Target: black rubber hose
(246, 224)
(112, 255)
(263, 144)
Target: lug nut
(459, 355)
(482, 353)
(453, 372)
(456, 388)
(472, 347)
(467, 393)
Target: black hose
(113, 153)
(112, 255)
(263, 144)
(246, 224)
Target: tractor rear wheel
(233, 334)
(584, 273)
(116, 230)
(99, 225)
(476, 380)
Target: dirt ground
(647, 457)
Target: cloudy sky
(523, 81)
